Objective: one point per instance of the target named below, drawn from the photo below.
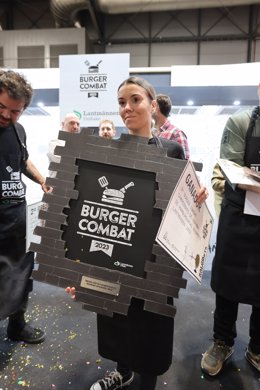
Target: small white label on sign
(101, 246)
(100, 285)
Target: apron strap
(157, 141)
(255, 114)
(21, 142)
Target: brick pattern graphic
(164, 276)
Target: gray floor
(68, 359)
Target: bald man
(70, 123)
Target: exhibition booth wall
(203, 123)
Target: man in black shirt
(15, 264)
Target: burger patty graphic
(111, 195)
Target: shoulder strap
(255, 114)
(19, 130)
(157, 141)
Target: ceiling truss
(31, 14)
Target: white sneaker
(114, 380)
(214, 358)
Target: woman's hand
(71, 291)
(202, 194)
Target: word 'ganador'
(105, 222)
(192, 190)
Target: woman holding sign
(141, 341)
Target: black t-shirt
(9, 143)
(11, 165)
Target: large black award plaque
(101, 221)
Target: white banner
(217, 75)
(88, 86)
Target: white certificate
(32, 221)
(186, 226)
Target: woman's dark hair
(16, 86)
(142, 83)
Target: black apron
(15, 265)
(236, 265)
(141, 340)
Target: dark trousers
(15, 264)
(225, 317)
(17, 319)
(147, 381)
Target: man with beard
(15, 264)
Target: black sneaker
(28, 334)
(214, 358)
(113, 381)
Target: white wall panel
(10, 40)
(229, 52)
(162, 54)
(138, 53)
(167, 54)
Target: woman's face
(136, 109)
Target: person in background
(107, 129)
(235, 276)
(141, 341)
(15, 264)
(70, 123)
(164, 127)
(218, 185)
